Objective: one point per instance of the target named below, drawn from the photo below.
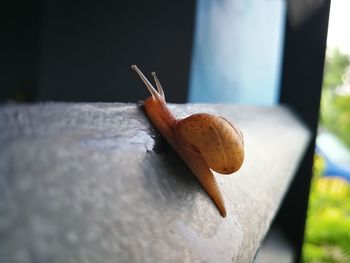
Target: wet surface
(97, 183)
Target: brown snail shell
(216, 139)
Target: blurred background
(202, 51)
(327, 236)
(261, 52)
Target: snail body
(202, 140)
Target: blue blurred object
(237, 51)
(335, 154)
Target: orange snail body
(202, 140)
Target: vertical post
(302, 75)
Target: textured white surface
(97, 183)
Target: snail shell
(216, 139)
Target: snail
(202, 140)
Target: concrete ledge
(96, 183)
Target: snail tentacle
(159, 86)
(149, 86)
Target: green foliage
(335, 109)
(335, 65)
(327, 237)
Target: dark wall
(85, 49)
(19, 41)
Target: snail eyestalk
(149, 86)
(159, 86)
